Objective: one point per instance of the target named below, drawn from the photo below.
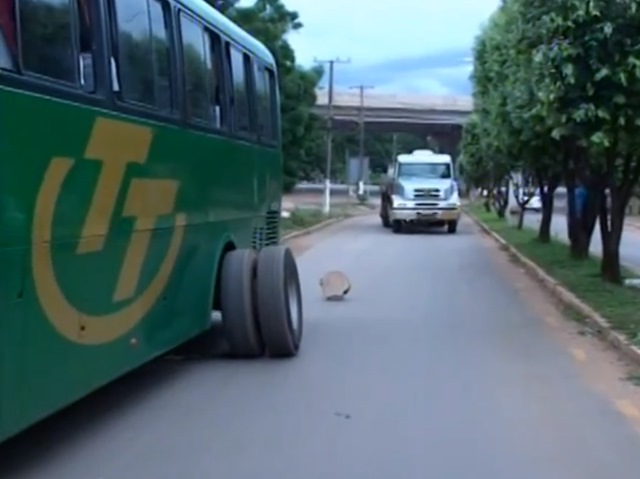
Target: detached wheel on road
(452, 227)
(279, 301)
(237, 303)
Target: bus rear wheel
(237, 304)
(279, 301)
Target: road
(629, 247)
(444, 361)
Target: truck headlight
(453, 200)
(397, 202)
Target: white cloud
(405, 45)
(373, 31)
(435, 81)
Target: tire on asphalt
(452, 227)
(384, 215)
(237, 303)
(279, 301)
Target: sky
(414, 46)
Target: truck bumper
(426, 216)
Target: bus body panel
(225, 190)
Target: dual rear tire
(261, 302)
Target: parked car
(534, 204)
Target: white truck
(420, 188)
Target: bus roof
(423, 158)
(229, 28)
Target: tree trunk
(580, 228)
(503, 202)
(610, 270)
(547, 184)
(611, 226)
(487, 202)
(544, 231)
(576, 235)
(521, 217)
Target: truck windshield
(424, 170)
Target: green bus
(141, 184)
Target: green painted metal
(225, 190)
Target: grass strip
(620, 305)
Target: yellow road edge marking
(579, 354)
(628, 409)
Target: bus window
(141, 51)
(162, 53)
(87, 74)
(7, 35)
(194, 60)
(47, 39)
(265, 120)
(271, 100)
(240, 92)
(216, 80)
(6, 59)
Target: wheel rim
(293, 296)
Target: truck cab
(420, 189)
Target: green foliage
(302, 131)
(475, 170)
(557, 93)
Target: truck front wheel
(384, 216)
(452, 227)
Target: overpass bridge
(395, 112)
(440, 117)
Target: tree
(590, 96)
(557, 94)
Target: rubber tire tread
(275, 265)
(237, 303)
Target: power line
(327, 174)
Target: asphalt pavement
(436, 365)
(629, 246)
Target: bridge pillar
(449, 142)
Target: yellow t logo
(116, 145)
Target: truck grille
(427, 193)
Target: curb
(312, 229)
(565, 297)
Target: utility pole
(329, 137)
(362, 89)
(394, 147)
